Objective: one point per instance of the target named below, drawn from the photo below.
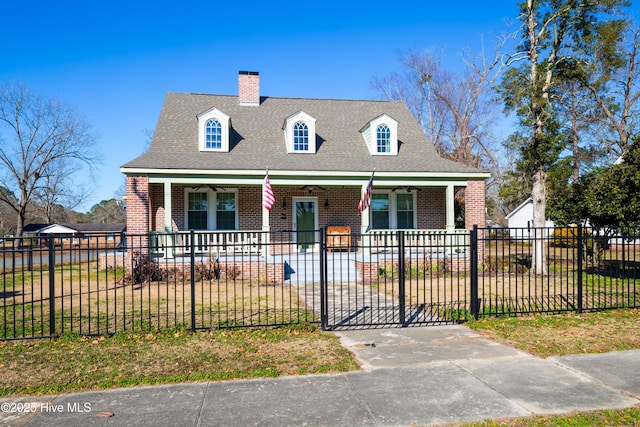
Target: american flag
(365, 202)
(267, 193)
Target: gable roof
(32, 228)
(521, 206)
(75, 228)
(56, 229)
(257, 140)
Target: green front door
(305, 214)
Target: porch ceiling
(294, 178)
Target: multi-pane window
(300, 137)
(380, 211)
(208, 210)
(225, 211)
(213, 135)
(392, 211)
(197, 209)
(383, 139)
(404, 209)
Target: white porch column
(365, 224)
(168, 225)
(450, 210)
(265, 220)
(265, 228)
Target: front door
(305, 215)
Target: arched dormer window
(300, 133)
(383, 139)
(213, 130)
(381, 136)
(300, 137)
(213, 135)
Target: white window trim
(287, 127)
(211, 206)
(224, 120)
(369, 133)
(393, 208)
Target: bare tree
(40, 139)
(413, 87)
(108, 211)
(581, 121)
(614, 83)
(456, 110)
(59, 193)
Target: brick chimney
(249, 88)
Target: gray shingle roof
(257, 139)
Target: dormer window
(383, 139)
(213, 131)
(381, 136)
(300, 137)
(300, 133)
(213, 135)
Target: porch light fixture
(312, 187)
(408, 189)
(326, 203)
(284, 203)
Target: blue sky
(114, 61)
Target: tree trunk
(539, 196)
(539, 97)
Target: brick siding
(475, 207)
(138, 205)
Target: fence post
(473, 266)
(401, 276)
(324, 306)
(52, 288)
(30, 259)
(580, 266)
(193, 280)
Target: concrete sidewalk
(410, 376)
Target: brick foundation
(272, 273)
(371, 272)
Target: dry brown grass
(96, 302)
(129, 359)
(569, 333)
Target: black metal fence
(204, 280)
(574, 269)
(396, 278)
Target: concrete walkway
(350, 303)
(409, 376)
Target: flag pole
(365, 201)
(268, 200)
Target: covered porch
(217, 244)
(226, 212)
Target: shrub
(233, 272)
(144, 270)
(594, 248)
(567, 237)
(387, 272)
(207, 271)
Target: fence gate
(393, 278)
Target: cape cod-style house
(206, 165)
